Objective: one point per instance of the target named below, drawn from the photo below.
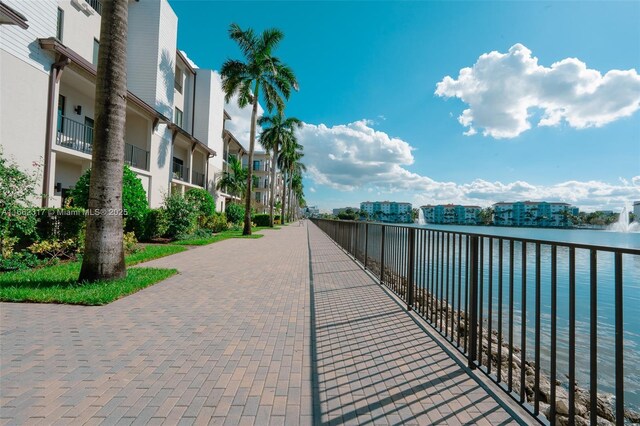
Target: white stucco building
(175, 137)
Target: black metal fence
(512, 306)
(74, 135)
(136, 157)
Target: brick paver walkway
(229, 341)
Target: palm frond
(246, 40)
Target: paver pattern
(229, 341)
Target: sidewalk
(236, 338)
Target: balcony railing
(180, 172)
(96, 5)
(74, 135)
(136, 157)
(543, 319)
(198, 178)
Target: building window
(96, 49)
(60, 24)
(256, 165)
(178, 80)
(178, 117)
(259, 197)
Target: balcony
(136, 157)
(198, 178)
(180, 172)
(74, 135)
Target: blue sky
(379, 127)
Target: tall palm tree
(260, 71)
(103, 248)
(234, 181)
(287, 160)
(297, 188)
(276, 129)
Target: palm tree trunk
(252, 143)
(289, 203)
(104, 251)
(272, 199)
(283, 214)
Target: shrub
(130, 243)
(16, 220)
(217, 222)
(261, 219)
(181, 216)
(235, 213)
(196, 234)
(53, 250)
(155, 224)
(134, 198)
(201, 200)
(18, 261)
(59, 224)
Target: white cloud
(357, 157)
(503, 90)
(240, 123)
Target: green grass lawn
(224, 235)
(57, 283)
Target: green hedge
(60, 224)
(155, 224)
(261, 219)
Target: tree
(261, 70)
(485, 216)
(103, 249)
(234, 181)
(276, 130)
(289, 161)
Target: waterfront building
(636, 210)
(387, 211)
(533, 213)
(261, 185)
(175, 138)
(454, 214)
(311, 211)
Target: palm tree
(103, 248)
(297, 188)
(261, 70)
(272, 138)
(234, 181)
(289, 162)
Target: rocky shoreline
(605, 402)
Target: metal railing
(198, 178)
(180, 172)
(136, 157)
(543, 319)
(74, 135)
(96, 5)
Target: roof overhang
(229, 135)
(180, 55)
(53, 45)
(10, 16)
(179, 130)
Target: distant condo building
(533, 213)
(387, 211)
(636, 210)
(451, 214)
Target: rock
(562, 407)
(632, 416)
(600, 421)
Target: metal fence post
(357, 241)
(410, 267)
(473, 303)
(382, 255)
(366, 244)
